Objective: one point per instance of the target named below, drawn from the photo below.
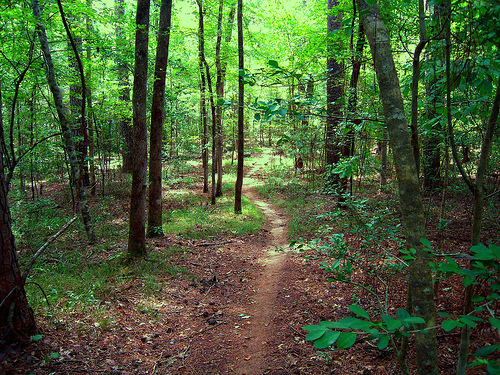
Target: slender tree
(221, 66)
(208, 77)
(137, 217)
(412, 213)
(157, 119)
(241, 102)
(124, 89)
(63, 122)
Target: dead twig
(44, 247)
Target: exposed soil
(241, 313)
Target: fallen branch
(44, 247)
(213, 243)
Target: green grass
(196, 219)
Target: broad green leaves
(344, 333)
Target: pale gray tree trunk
(63, 122)
(412, 213)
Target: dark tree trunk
(137, 223)
(124, 92)
(17, 321)
(412, 212)
(211, 96)
(241, 102)
(221, 65)
(334, 92)
(157, 119)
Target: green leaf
(316, 334)
(487, 350)
(469, 320)
(449, 325)
(382, 342)
(426, 243)
(54, 355)
(402, 314)
(444, 315)
(414, 320)
(36, 338)
(257, 116)
(482, 252)
(273, 63)
(346, 340)
(359, 311)
(393, 325)
(327, 340)
(335, 325)
(495, 322)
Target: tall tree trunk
(124, 91)
(90, 127)
(78, 94)
(157, 119)
(412, 213)
(211, 96)
(137, 217)
(221, 65)
(334, 92)
(203, 105)
(63, 122)
(241, 112)
(416, 77)
(17, 321)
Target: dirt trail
(266, 286)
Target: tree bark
(124, 91)
(334, 92)
(412, 212)
(219, 88)
(241, 102)
(203, 105)
(212, 104)
(137, 217)
(157, 119)
(17, 321)
(63, 122)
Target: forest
(250, 187)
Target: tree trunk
(137, 217)
(203, 105)
(334, 92)
(412, 212)
(219, 87)
(124, 91)
(157, 119)
(90, 127)
(17, 321)
(241, 102)
(212, 104)
(63, 122)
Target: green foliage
(344, 333)
(484, 270)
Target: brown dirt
(240, 312)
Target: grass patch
(194, 219)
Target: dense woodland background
(361, 158)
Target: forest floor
(238, 309)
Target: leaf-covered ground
(237, 307)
